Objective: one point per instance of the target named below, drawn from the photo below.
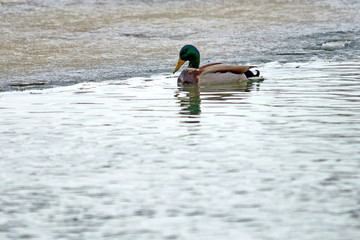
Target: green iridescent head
(191, 54)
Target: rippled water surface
(144, 159)
(103, 144)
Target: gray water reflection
(143, 159)
(190, 96)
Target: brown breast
(189, 76)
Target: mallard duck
(213, 73)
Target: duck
(212, 73)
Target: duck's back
(214, 73)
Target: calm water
(102, 143)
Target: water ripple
(140, 159)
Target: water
(102, 144)
(49, 44)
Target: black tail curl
(250, 74)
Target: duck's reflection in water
(189, 99)
(190, 96)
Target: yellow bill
(179, 64)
